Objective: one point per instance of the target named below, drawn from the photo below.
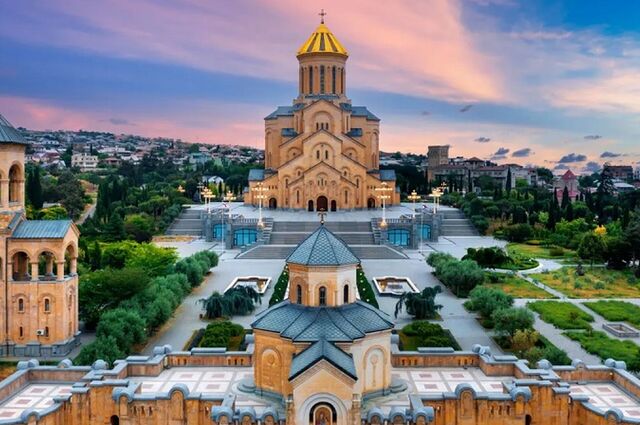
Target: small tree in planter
(420, 305)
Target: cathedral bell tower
(322, 61)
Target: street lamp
(200, 187)
(208, 195)
(414, 197)
(383, 190)
(436, 194)
(229, 197)
(260, 189)
(181, 189)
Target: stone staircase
(286, 235)
(455, 223)
(187, 223)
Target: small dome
(323, 248)
(8, 134)
(322, 41)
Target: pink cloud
(415, 47)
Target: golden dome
(322, 41)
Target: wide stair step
(280, 252)
(294, 238)
(187, 223)
(456, 224)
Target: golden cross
(321, 214)
(322, 15)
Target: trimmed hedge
(562, 315)
(365, 290)
(280, 288)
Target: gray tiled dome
(8, 134)
(323, 248)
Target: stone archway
(310, 410)
(371, 203)
(322, 203)
(310, 205)
(323, 414)
(334, 206)
(273, 203)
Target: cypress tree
(508, 183)
(565, 198)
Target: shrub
(598, 343)
(480, 223)
(219, 333)
(280, 288)
(556, 251)
(365, 290)
(518, 232)
(424, 334)
(488, 257)
(509, 320)
(127, 327)
(105, 348)
(487, 300)
(461, 276)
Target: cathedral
(39, 308)
(322, 153)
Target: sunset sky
(553, 83)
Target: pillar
(60, 270)
(49, 266)
(10, 269)
(34, 270)
(73, 266)
(4, 192)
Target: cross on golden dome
(322, 41)
(322, 15)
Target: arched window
(321, 78)
(21, 332)
(310, 80)
(326, 154)
(298, 294)
(322, 296)
(14, 183)
(47, 305)
(346, 196)
(318, 154)
(297, 196)
(345, 294)
(333, 80)
(21, 305)
(46, 331)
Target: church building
(322, 153)
(38, 258)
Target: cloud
(561, 167)
(120, 121)
(522, 153)
(541, 35)
(501, 152)
(425, 113)
(593, 137)
(607, 154)
(212, 38)
(591, 167)
(482, 139)
(572, 157)
(465, 108)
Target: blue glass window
(218, 229)
(244, 237)
(425, 229)
(398, 237)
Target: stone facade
(38, 282)
(322, 153)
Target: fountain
(394, 286)
(258, 283)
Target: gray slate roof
(322, 350)
(42, 229)
(387, 175)
(8, 134)
(301, 323)
(323, 248)
(256, 174)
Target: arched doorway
(322, 204)
(333, 205)
(323, 414)
(310, 205)
(115, 420)
(527, 420)
(273, 203)
(371, 203)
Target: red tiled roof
(568, 175)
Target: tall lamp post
(260, 189)
(208, 195)
(229, 197)
(414, 197)
(436, 194)
(383, 190)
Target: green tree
(462, 276)
(104, 289)
(96, 256)
(509, 320)
(566, 200)
(632, 237)
(139, 227)
(421, 305)
(592, 248)
(486, 300)
(72, 194)
(155, 260)
(114, 229)
(105, 348)
(34, 188)
(125, 325)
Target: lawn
(597, 282)
(539, 251)
(598, 343)
(424, 334)
(616, 311)
(562, 315)
(515, 286)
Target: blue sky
(545, 78)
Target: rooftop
(8, 133)
(323, 248)
(322, 41)
(42, 229)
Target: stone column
(10, 270)
(73, 266)
(49, 266)
(4, 192)
(60, 270)
(34, 271)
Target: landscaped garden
(222, 333)
(515, 286)
(596, 282)
(424, 334)
(616, 311)
(605, 347)
(497, 258)
(535, 249)
(562, 315)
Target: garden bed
(543, 349)
(605, 347)
(562, 315)
(616, 311)
(515, 286)
(424, 334)
(539, 251)
(597, 282)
